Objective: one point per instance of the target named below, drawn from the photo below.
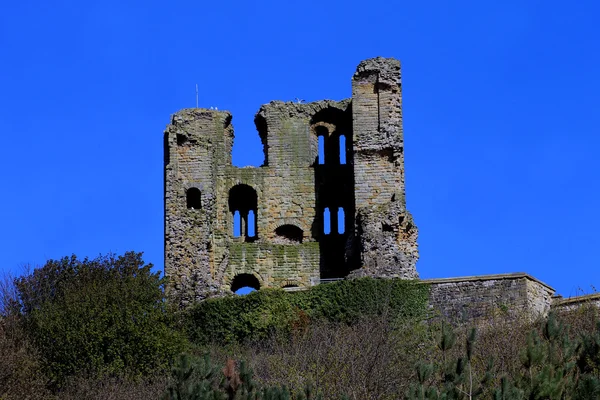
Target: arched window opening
(237, 224)
(341, 221)
(342, 149)
(244, 284)
(334, 188)
(290, 233)
(251, 224)
(322, 135)
(193, 198)
(326, 221)
(243, 200)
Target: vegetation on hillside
(100, 317)
(273, 311)
(101, 329)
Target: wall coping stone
(491, 277)
(575, 299)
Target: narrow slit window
(321, 149)
(342, 149)
(341, 221)
(237, 224)
(251, 224)
(326, 221)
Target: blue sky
(500, 117)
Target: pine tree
(194, 379)
(507, 391)
(421, 391)
(456, 376)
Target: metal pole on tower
(196, 95)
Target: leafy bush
(256, 315)
(100, 316)
(21, 376)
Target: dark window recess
(386, 228)
(334, 184)
(244, 281)
(290, 232)
(181, 139)
(193, 198)
(243, 204)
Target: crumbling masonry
(328, 202)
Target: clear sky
(501, 117)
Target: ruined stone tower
(300, 217)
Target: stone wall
(385, 230)
(571, 303)
(282, 206)
(477, 298)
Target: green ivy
(256, 315)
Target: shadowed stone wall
(476, 298)
(282, 205)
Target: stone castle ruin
(328, 203)
(300, 217)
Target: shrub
(21, 375)
(100, 316)
(113, 388)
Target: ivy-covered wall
(254, 316)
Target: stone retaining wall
(476, 298)
(571, 303)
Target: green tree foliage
(197, 379)
(555, 364)
(456, 378)
(101, 316)
(258, 314)
(548, 363)
(507, 391)
(193, 379)
(588, 359)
